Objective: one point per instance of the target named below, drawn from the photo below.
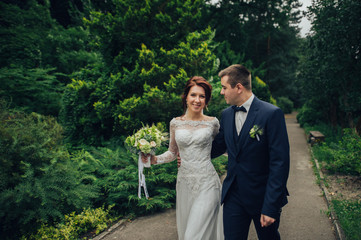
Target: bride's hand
(145, 157)
(153, 159)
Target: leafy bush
(38, 182)
(115, 172)
(347, 154)
(23, 30)
(341, 155)
(309, 115)
(285, 104)
(349, 215)
(74, 225)
(261, 89)
(33, 90)
(97, 107)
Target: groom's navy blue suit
(257, 170)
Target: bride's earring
(207, 108)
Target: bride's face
(196, 99)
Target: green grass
(349, 215)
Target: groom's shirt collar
(247, 104)
(240, 117)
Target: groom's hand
(266, 220)
(178, 160)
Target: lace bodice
(193, 141)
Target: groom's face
(231, 95)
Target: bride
(198, 185)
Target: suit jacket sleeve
(279, 162)
(219, 144)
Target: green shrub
(341, 153)
(92, 221)
(115, 172)
(308, 115)
(347, 155)
(261, 90)
(285, 104)
(349, 215)
(220, 164)
(98, 106)
(38, 182)
(33, 90)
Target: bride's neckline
(200, 120)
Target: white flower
(143, 142)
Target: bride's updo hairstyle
(199, 81)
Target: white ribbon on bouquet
(141, 181)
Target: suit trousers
(237, 219)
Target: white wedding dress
(198, 187)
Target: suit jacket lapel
(247, 125)
(230, 130)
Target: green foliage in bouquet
(146, 140)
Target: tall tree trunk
(348, 113)
(358, 126)
(333, 114)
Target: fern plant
(39, 183)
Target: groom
(254, 135)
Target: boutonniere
(256, 132)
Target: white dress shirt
(240, 117)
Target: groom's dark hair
(237, 74)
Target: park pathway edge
(339, 232)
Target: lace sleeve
(215, 128)
(171, 154)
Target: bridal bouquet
(146, 140)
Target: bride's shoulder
(180, 118)
(210, 119)
(177, 120)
